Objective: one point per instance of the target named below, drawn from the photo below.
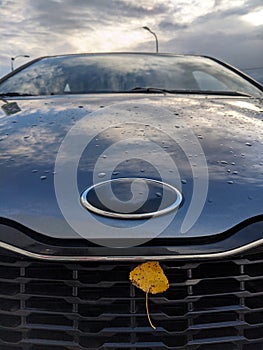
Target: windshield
(105, 73)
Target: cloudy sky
(231, 30)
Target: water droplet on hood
(248, 144)
(183, 181)
(101, 174)
(43, 177)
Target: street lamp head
(20, 56)
(13, 58)
(147, 28)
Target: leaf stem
(147, 310)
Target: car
(131, 178)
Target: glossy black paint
(228, 129)
(211, 140)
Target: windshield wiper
(197, 92)
(14, 94)
(149, 90)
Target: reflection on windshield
(97, 73)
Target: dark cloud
(222, 33)
(69, 14)
(166, 25)
(253, 4)
(240, 49)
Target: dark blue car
(110, 160)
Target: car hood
(210, 148)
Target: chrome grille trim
(217, 255)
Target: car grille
(71, 306)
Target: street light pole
(156, 39)
(13, 58)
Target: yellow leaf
(149, 277)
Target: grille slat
(210, 305)
(222, 341)
(218, 325)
